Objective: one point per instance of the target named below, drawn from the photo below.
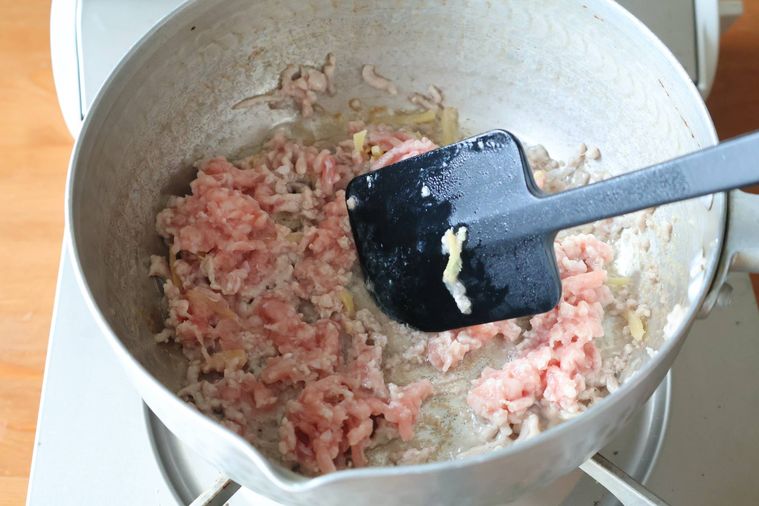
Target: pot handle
(219, 494)
(740, 252)
(628, 491)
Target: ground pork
(257, 283)
(558, 353)
(264, 295)
(300, 84)
(446, 349)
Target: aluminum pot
(552, 71)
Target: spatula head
(400, 214)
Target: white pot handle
(740, 253)
(628, 491)
(219, 493)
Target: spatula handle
(731, 164)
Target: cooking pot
(555, 72)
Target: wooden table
(36, 146)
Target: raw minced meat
(332, 419)
(285, 347)
(300, 84)
(447, 349)
(559, 357)
(258, 288)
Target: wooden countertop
(36, 146)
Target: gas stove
(695, 441)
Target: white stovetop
(92, 446)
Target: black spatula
(480, 194)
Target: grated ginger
(174, 276)
(205, 298)
(452, 246)
(635, 324)
(376, 152)
(347, 299)
(359, 138)
(449, 126)
(617, 282)
(405, 119)
(227, 359)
